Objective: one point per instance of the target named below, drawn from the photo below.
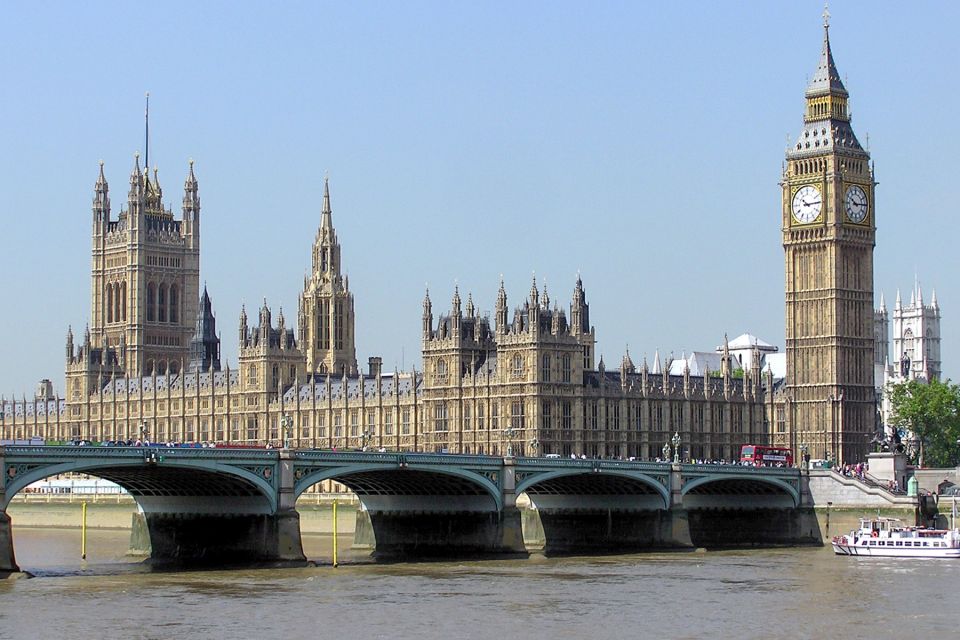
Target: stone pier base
(225, 539)
(8, 563)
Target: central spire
(826, 79)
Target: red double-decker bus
(763, 456)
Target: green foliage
(737, 374)
(932, 412)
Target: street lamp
(676, 447)
(143, 433)
(365, 438)
(805, 457)
(286, 426)
(508, 433)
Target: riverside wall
(109, 513)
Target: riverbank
(316, 517)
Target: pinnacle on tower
(826, 79)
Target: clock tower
(829, 232)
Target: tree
(931, 411)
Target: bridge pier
(8, 563)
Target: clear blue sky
(639, 143)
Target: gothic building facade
(525, 381)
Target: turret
(191, 205)
(243, 326)
(101, 199)
(69, 344)
(501, 318)
(427, 316)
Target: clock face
(855, 204)
(806, 204)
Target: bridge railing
(593, 463)
(138, 452)
(396, 457)
(730, 469)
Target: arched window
(545, 368)
(908, 344)
(252, 374)
(441, 370)
(518, 366)
(123, 301)
(162, 303)
(117, 302)
(174, 303)
(109, 303)
(151, 302)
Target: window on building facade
(480, 417)
(517, 420)
(781, 420)
(337, 425)
(354, 423)
(546, 415)
(388, 423)
(495, 416)
(406, 422)
(441, 371)
(440, 417)
(545, 368)
(467, 418)
(565, 367)
(517, 366)
(252, 428)
(566, 415)
(615, 419)
(322, 425)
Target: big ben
(829, 231)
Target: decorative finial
(826, 15)
(191, 162)
(101, 164)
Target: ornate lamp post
(804, 457)
(666, 452)
(676, 447)
(286, 425)
(365, 439)
(143, 433)
(509, 433)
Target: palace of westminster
(525, 381)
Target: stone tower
(326, 315)
(205, 346)
(916, 337)
(829, 234)
(145, 273)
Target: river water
(792, 593)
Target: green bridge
(236, 506)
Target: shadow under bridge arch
(420, 488)
(175, 486)
(589, 489)
(740, 491)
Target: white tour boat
(889, 537)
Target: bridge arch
(171, 479)
(617, 481)
(742, 484)
(368, 480)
